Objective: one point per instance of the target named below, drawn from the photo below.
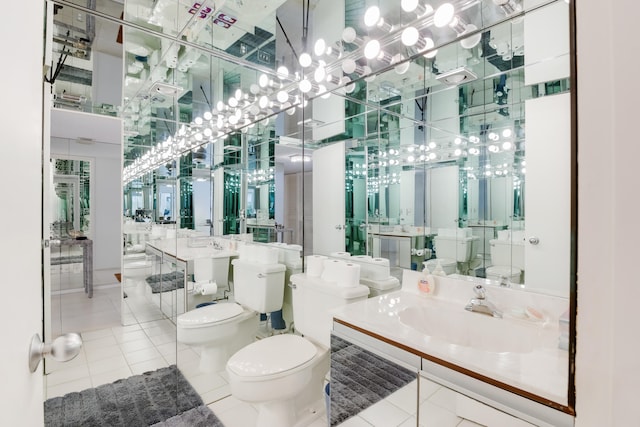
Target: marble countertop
(519, 353)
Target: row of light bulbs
(270, 96)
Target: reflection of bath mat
(360, 378)
(166, 282)
(141, 400)
(200, 416)
(72, 259)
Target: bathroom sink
(451, 326)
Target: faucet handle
(480, 291)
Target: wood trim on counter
(523, 393)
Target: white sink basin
(459, 327)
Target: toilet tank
(313, 299)
(259, 287)
(507, 253)
(458, 248)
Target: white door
(547, 194)
(328, 199)
(21, 393)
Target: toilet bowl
(448, 265)
(455, 245)
(219, 330)
(507, 257)
(283, 375)
(135, 270)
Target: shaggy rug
(158, 397)
(165, 282)
(360, 378)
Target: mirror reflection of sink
(473, 330)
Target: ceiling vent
(457, 76)
(165, 89)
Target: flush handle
(261, 276)
(62, 349)
(534, 240)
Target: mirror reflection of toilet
(507, 257)
(455, 249)
(222, 329)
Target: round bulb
(320, 47)
(263, 102)
(282, 96)
(232, 102)
(349, 35)
(349, 66)
(506, 145)
(305, 60)
(254, 109)
(410, 36)
(263, 80)
(372, 49)
(409, 5)
(208, 132)
(233, 120)
(444, 15)
(291, 111)
(506, 133)
(198, 120)
(372, 16)
(207, 115)
(283, 72)
(319, 74)
(322, 91)
(238, 94)
(254, 89)
(305, 85)
(402, 68)
(219, 122)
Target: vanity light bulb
(263, 80)
(320, 74)
(207, 115)
(208, 132)
(422, 157)
(198, 136)
(471, 41)
(432, 156)
(320, 47)
(305, 86)
(444, 15)
(488, 173)
(372, 16)
(349, 35)
(233, 103)
(282, 72)
(372, 49)
(219, 122)
(322, 91)
(523, 170)
(349, 66)
(410, 159)
(410, 36)
(305, 60)
(198, 120)
(506, 145)
(220, 106)
(507, 133)
(282, 96)
(432, 145)
(254, 89)
(238, 94)
(291, 111)
(367, 72)
(263, 102)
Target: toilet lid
(209, 314)
(273, 355)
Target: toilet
(283, 375)
(455, 249)
(507, 257)
(136, 267)
(222, 329)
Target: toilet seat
(205, 316)
(266, 359)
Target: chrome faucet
(505, 282)
(479, 304)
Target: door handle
(338, 227)
(62, 349)
(534, 240)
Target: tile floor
(112, 351)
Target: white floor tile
(427, 389)
(240, 416)
(467, 423)
(163, 338)
(149, 365)
(130, 336)
(108, 364)
(111, 376)
(143, 355)
(445, 398)
(406, 398)
(435, 416)
(216, 394)
(54, 365)
(67, 375)
(206, 382)
(224, 405)
(102, 342)
(384, 414)
(355, 421)
(136, 345)
(102, 353)
(410, 422)
(93, 335)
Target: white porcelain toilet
(507, 257)
(223, 328)
(136, 267)
(283, 375)
(455, 249)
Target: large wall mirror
(445, 145)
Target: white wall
(107, 79)
(607, 368)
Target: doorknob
(338, 227)
(62, 349)
(534, 240)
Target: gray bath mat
(360, 378)
(140, 400)
(165, 282)
(200, 416)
